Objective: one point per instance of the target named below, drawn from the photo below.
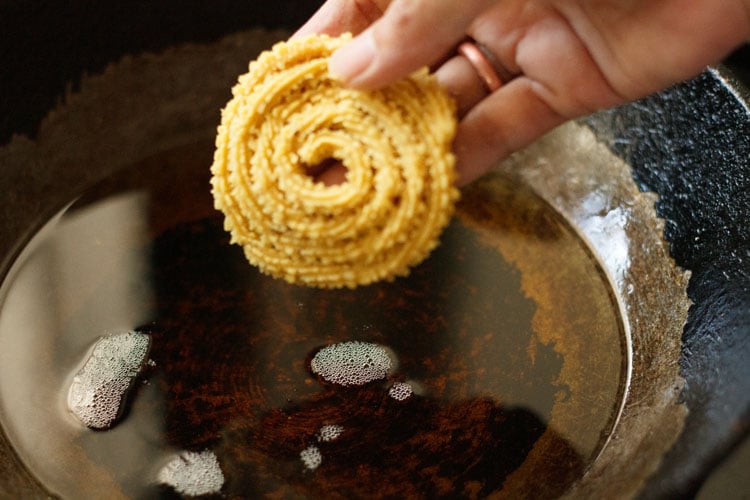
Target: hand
(559, 59)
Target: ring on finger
(481, 63)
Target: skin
(560, 59)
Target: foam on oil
(193, 473)
(352, 363)
(99, 390)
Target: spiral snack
(287, 116)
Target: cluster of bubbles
(311, 457)
(400, 391)
(329, 432)
(99, 389)
(193, 473)
(347, 364)
(351, 363)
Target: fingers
(340, 16)
(505, 121)
(411, 34)
(462, 82)
(415, 33)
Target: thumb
(411, 34)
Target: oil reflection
(604, 224)
(488, 339)
(85, 273)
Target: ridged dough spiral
(288, 114)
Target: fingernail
(350, 61)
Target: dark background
(41, 42)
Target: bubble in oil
(330, 432)
(311, 457)
(352, 363)
(400, 391)
(99, 389)
(193, 473)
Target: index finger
(410, 34)
(336, 17)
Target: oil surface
(497, 368)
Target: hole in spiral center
(329, 172)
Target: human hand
(558, 59)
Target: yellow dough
(287, 114)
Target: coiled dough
(287, 115)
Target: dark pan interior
(689, 144)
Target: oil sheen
(497, 368)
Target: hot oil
(497, 367)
